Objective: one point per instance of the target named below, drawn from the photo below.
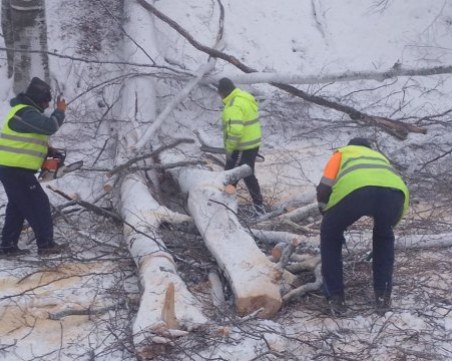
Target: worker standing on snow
(357, 182)
(23, 148)
(241, 134)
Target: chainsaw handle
(57, 153)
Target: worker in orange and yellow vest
(359, 181)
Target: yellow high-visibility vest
(362, 167)
(21, 150)
(240, 119)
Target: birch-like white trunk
(157, 270)
(396, 71)
(167, 308)
(254, 279)
(29, 32)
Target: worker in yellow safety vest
(23, 148)
(359, 181)
(241, 134)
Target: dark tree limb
(156, 152)
(396, 128)
(96, 209)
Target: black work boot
(12, 251)
(382, 301)
(337, 305)
(52, 248)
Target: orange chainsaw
(53, 166)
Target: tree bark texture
(28, 28)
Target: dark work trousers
(247, 157)
(385, 206)
(26, 200)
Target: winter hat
(39, 91)
(225, 87)
(364, 142)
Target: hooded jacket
(240, 119)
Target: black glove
(228, 157)
(56, 153)
(52, 152)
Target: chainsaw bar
(47, 175)
(73, 166)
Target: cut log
(253, 278)
(166, 302)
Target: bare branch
(307, 287)
(396, 71)
(398, 129)
(154, 153)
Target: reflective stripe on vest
(363, 167)
(368, 166)
(22, 150)
(250, 144)
(244, 123)
(22, 139)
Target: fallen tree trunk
(253, 278)
(396, 71)
(396, 128)
(157, 269)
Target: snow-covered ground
(98, 278)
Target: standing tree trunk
(167, 308)
(28, 29)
